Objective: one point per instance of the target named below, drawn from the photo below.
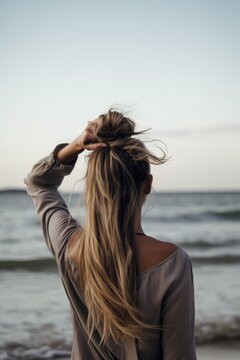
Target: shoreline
(221, 350)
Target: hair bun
(113, 134)
(113, 126)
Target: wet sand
(227, 350)
(224, 350)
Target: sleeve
(42, 184)
(178, 315)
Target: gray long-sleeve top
(165, 291)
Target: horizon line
(197, 190)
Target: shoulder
(161, 249)
(165, 249)
(174, 259)
(171, 251)
(154, 254)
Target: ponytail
(107, 258)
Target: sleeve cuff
(55, 152)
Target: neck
(139, 229)
(138, 223)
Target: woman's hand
(84, 141)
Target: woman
(131, 296)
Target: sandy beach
(227, 350)
(224, 350)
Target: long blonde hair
(106, 246)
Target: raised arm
(42, 184)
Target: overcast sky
(173, 64)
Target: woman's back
(164, 295)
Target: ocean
(35, 320)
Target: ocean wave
(204, 216)
(216, 259)
(43, 352)
(209, 243)
(12, 191)
(226, 214)
(205, 333)
(208, 332)
(49, 264)
(42, 264)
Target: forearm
(50, 171)
(42, 183)
(69, 153)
